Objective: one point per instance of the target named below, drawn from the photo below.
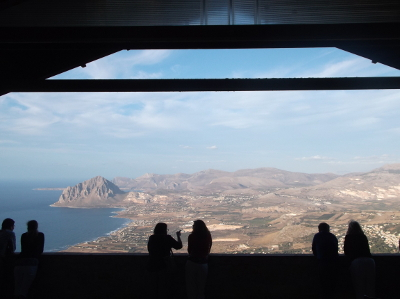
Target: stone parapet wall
(67, 275)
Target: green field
(325, 216)
(260, 221)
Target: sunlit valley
(253, 211)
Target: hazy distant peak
(147, 176)
(97, 179)
(209, 171)
(394, 166)
(182, 175)
(258, 170)
(212, 180)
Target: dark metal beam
(177, 85)
(10, 3)
(382, 54)
(201, 37)
(20, 65)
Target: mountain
(94, 192)
(381, 184)
(211, 180)
(370, 187)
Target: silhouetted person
(199, 246)
(325, 248)
(7, 249)
(160, 246)
(32, 244)
(362, 266)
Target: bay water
(63, 227)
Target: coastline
(63, 228)
(91, 245)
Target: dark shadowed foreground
(65, 275)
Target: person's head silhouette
(8, 223)
(160, 229)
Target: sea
(62, 227)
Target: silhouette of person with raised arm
(362, 266)
(160, 264)
(325, 249)
(199, 246)
(7, 249)
(32, 245)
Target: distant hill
(379, 184)
(211, 180)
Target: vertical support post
(231, 17)
(204, 17)
(256, 12)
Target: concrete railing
(68, 275)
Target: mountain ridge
(212, 180)
(377, 184)
(381, 183)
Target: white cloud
(279, 72)
(380, 158)
(239, 110)
(177, 68)
(146, 57)
(205, 161)
(135, 114)
(145, 75)
(331, 63)
(365, 121)
(315, 158)
(280, 122)
(338, 68)
(369, 160)
(351, 66)
(121, 65)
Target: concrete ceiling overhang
(42, 38)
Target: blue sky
(81, 135)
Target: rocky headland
(96, 192)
